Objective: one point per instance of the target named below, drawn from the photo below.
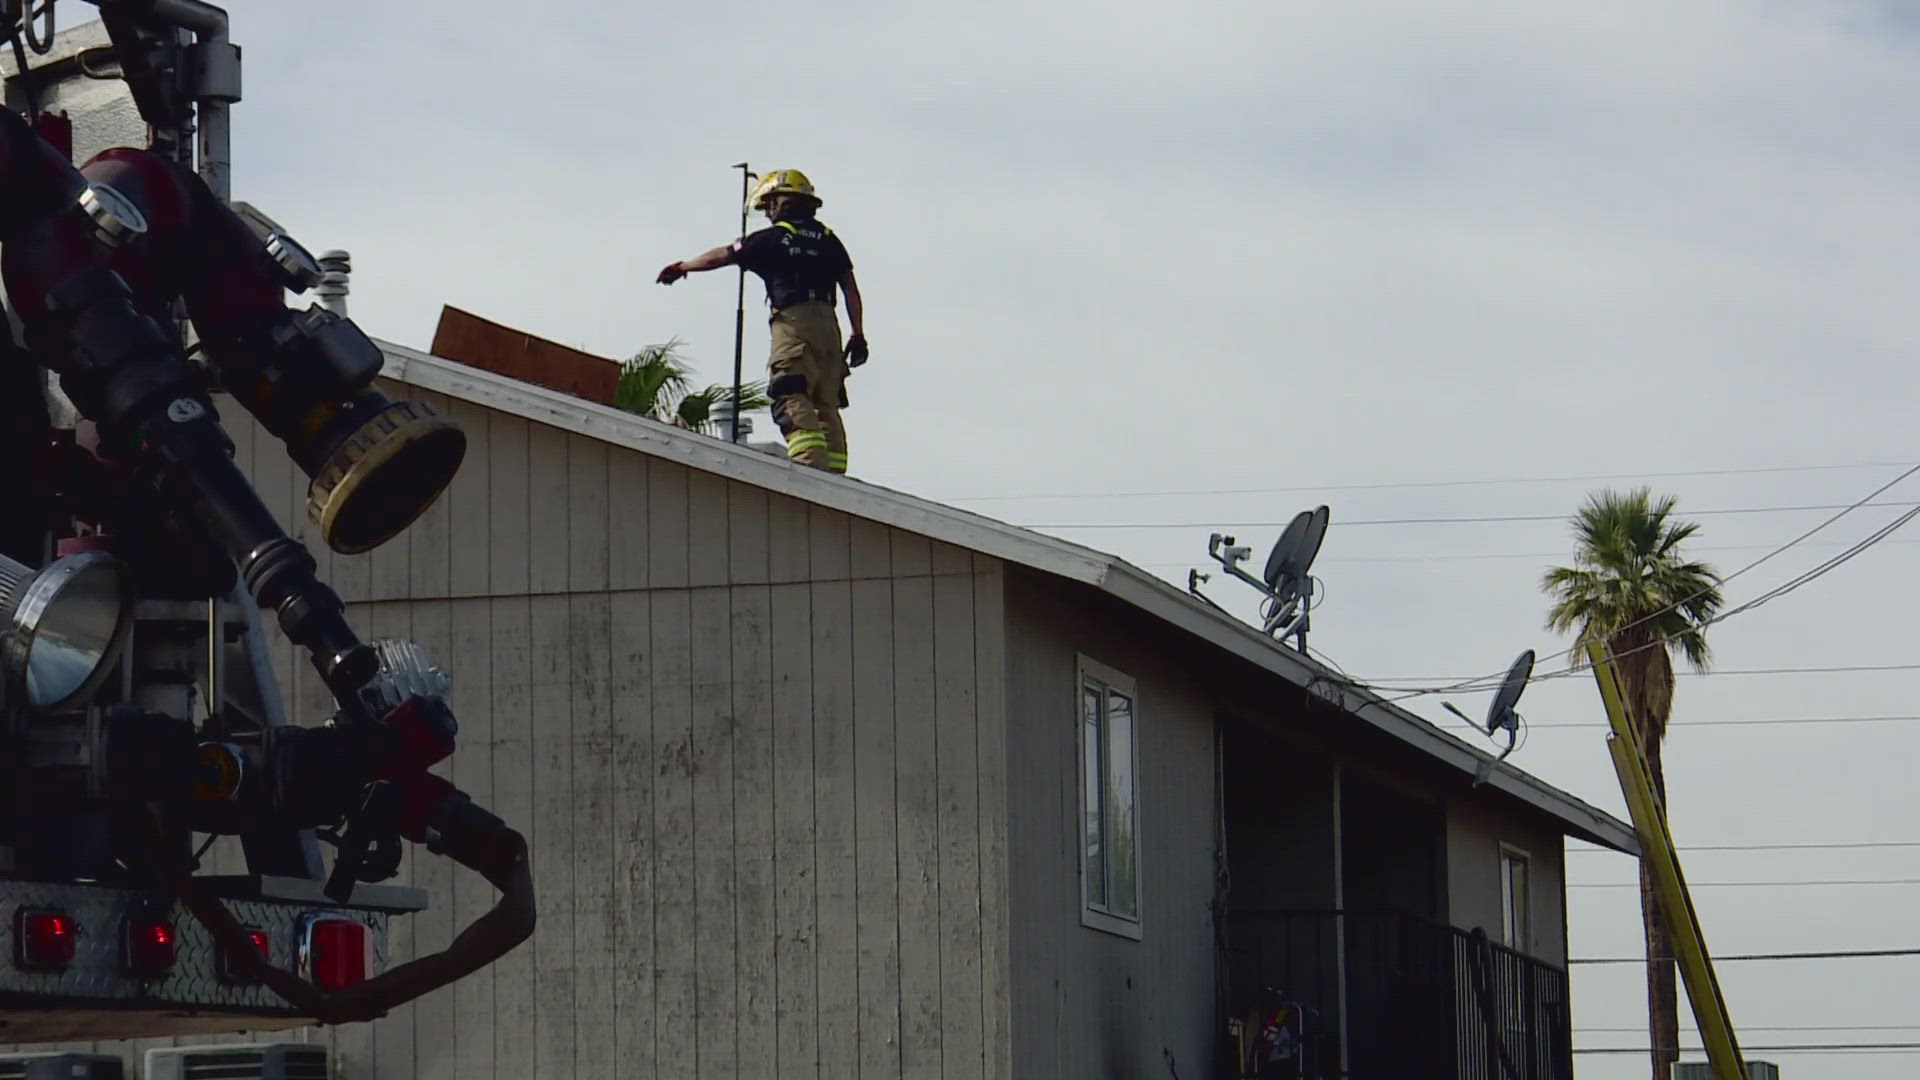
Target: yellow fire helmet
(781, 182)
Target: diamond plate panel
(194, 983)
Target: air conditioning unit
(239, 1061)
(62, 1067)
(1700, 1070)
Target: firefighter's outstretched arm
(706, 260)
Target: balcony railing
(1390, 996)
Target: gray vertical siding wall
(1475, 832)
(1090, 1003)
(758, 749)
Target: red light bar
(147, 946)
(337, 953)
(43, 939)
(230, 971)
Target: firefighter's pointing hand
(673, 272)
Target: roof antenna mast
(1287, 586)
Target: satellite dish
(1286, 585)
(1500, 713)
(1294, 552)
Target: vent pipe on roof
(332, 291)
(722, 417)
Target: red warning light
(43, 939)
(230, 969)
(338, 952)
(148, 946)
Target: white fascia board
(610, 425)
(998, 539)
(1150, 594)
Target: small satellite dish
(1500, 714)
(1294, 552)
(1287, 586)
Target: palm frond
(1628, 573)
(651, 379)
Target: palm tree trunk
(1663, 1004)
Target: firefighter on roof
(802, 263)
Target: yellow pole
(1669, 884)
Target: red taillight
(43, 940)
(231, 971)
(338, 952)
(148, 948)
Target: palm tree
(1631, 588)
(657, 383)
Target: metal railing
(1383, 995)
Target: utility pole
(740, 302)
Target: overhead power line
(1879, 535)
(1813, 846)
(1761, 1027)
(1857, 954)
(1684, 674)
(1408, 484)
(1749, 884)
(1743, 723)
(1800, 1048)
(1472, 557)
(1479, 520)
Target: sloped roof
(1024, 547)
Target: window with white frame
(1516, 928)
(1109, 801)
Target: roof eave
(998, 539)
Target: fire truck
(140, 719)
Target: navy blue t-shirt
(798, 260)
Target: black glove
(856, 350)
(674, 272)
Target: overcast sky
(1114, 248)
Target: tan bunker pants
(806, 378)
